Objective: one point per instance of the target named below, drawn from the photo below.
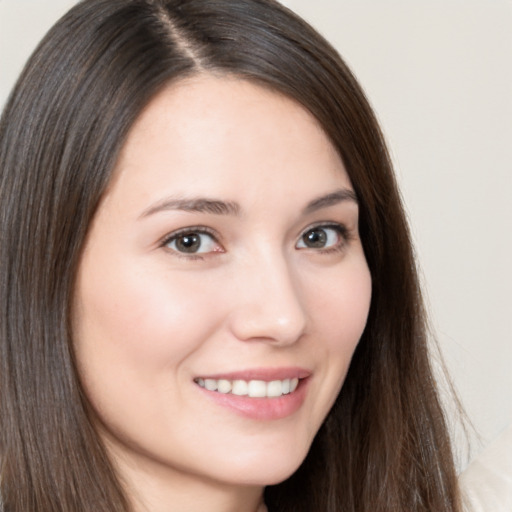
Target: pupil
(316, 238)
(188, 243)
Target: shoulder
(487, 482)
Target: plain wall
(439, 75)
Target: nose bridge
(269, 303)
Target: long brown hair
(384, 446)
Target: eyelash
(340, 229)
(197, 230)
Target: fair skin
(225, 249)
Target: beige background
(439, 74)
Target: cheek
(134, 333)
(340, 311)
(342, 306)
(138, 322)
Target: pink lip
(262, 409)
(266, 374)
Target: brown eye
(321, 237)
(188, 243)
(316, 238)
(192, 242)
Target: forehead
(223, 135)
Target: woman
(202, 242)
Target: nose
(268, 305)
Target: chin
(269, 468)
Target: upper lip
(265, 374)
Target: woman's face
(223, 287)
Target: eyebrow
(336, 197)
(197, 205)
(219, 207)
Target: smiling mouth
(250, 388)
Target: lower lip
(262, 409)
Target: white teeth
(257, 389)
(210, 384)
(252, 388)
(275, 388)
(224, 386)
(240, 388)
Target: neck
(196, 497)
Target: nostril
(270, 326)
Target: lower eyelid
(341, 231)
(201, 231)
